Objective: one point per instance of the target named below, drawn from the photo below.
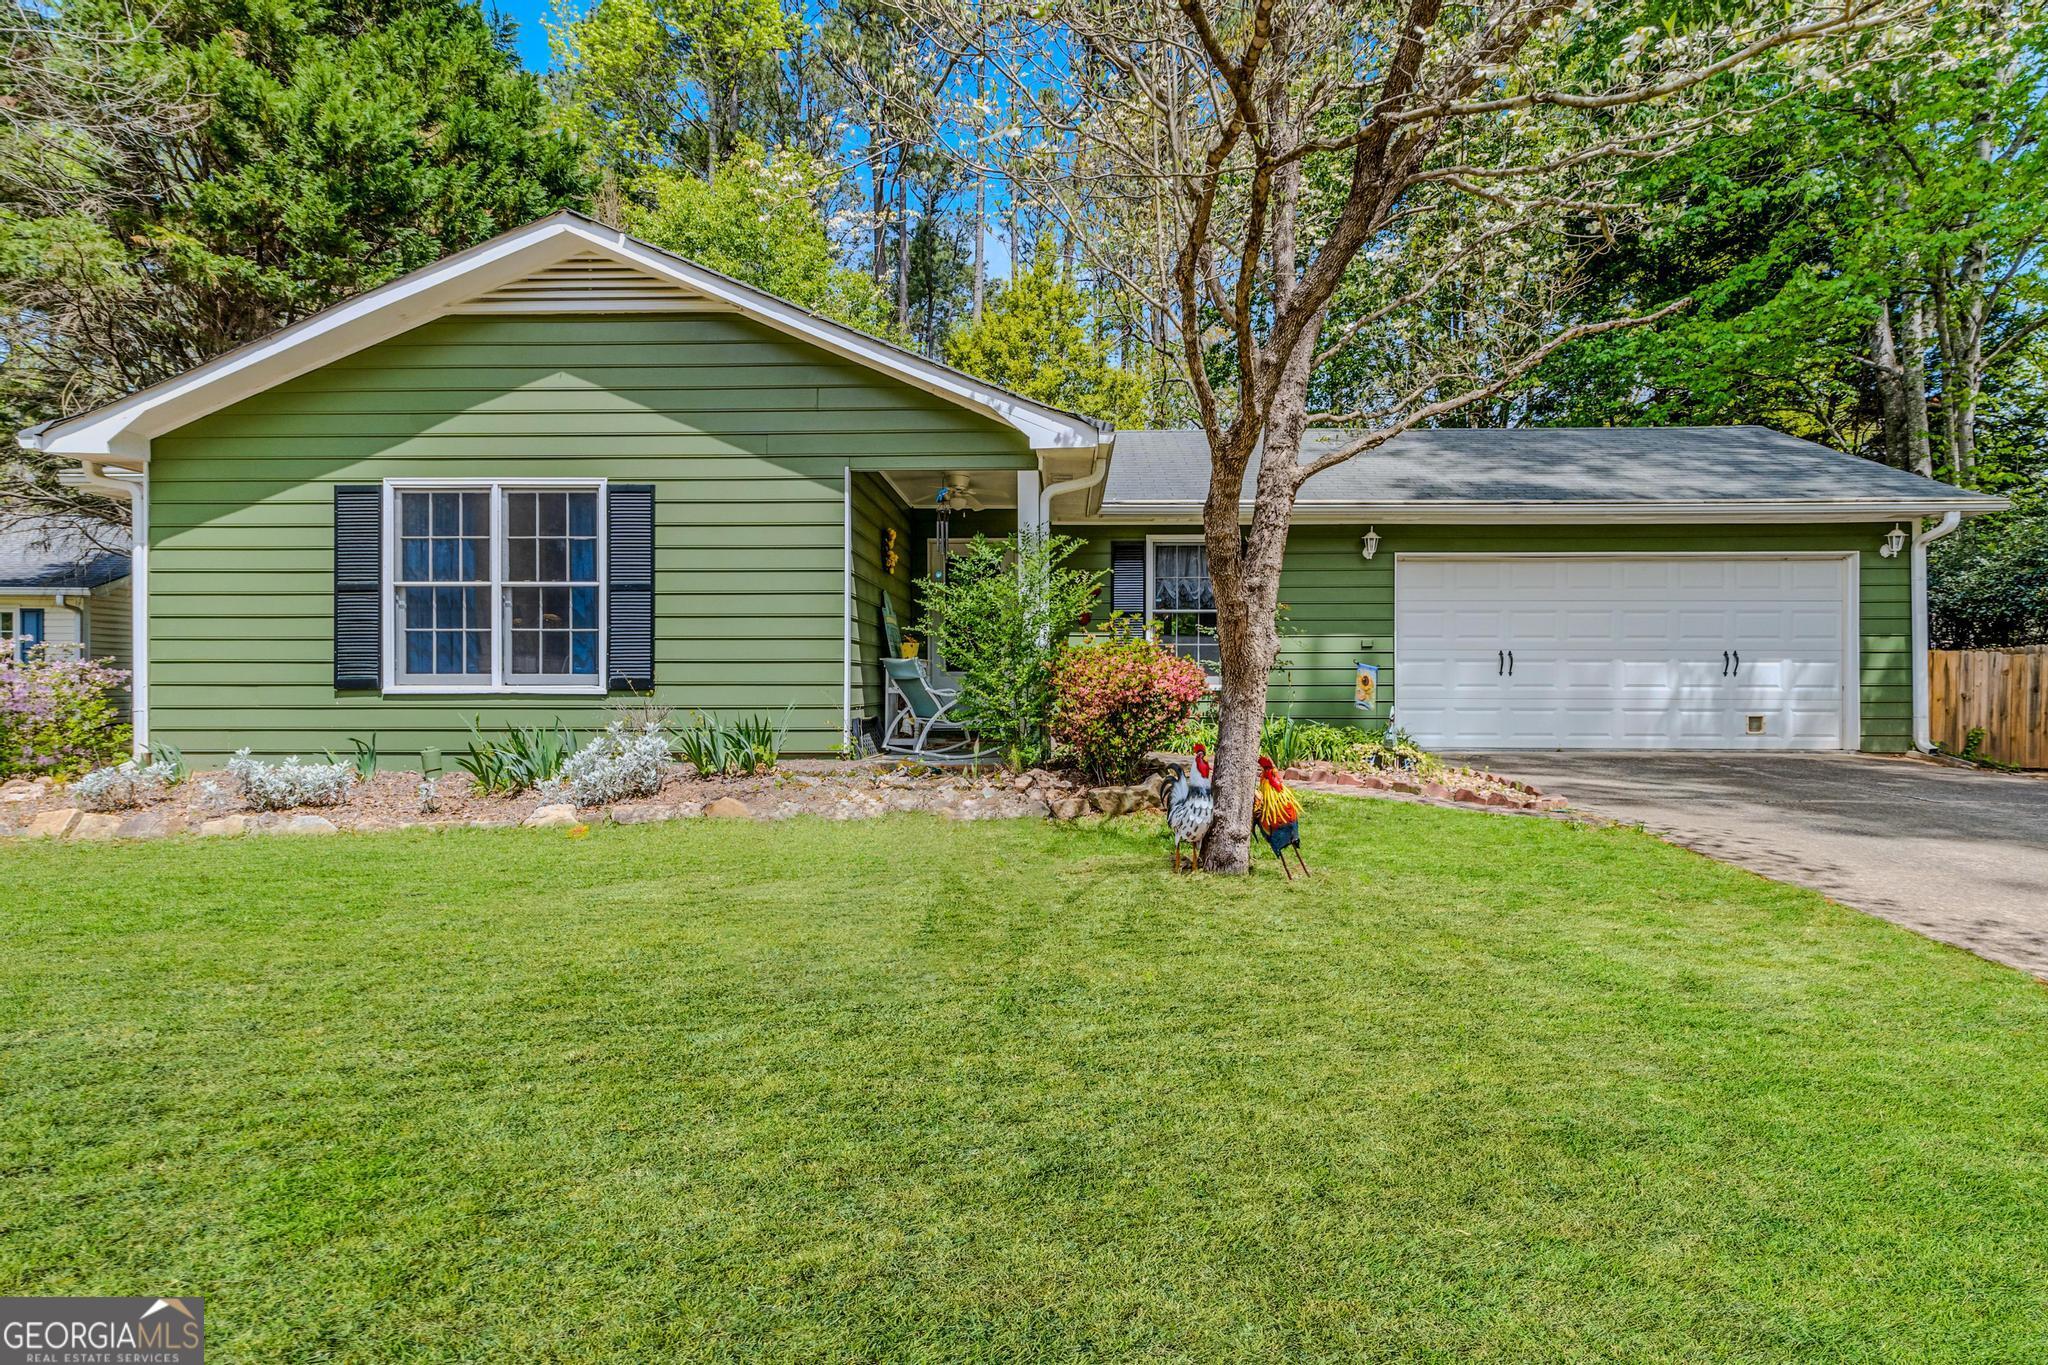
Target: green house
(564, 467)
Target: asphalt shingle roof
(1541, 465)
(55, 559)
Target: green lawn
(1487, 1088)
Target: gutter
(1097, 472)
(1446, 512)
(1923, 727)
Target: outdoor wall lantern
(1371, 541)
(1894, 541)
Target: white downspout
(1097, 472)
(846, 608)
(134, 484)
(1923, 728)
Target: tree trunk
(1891, 391)
(902, 215)
(1247, 587)
(980, 201)
(1913, 365)
(711, 113)
(881, 221)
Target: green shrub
(1117, 700)
(1001, 617)
(60, 714)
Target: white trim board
(121, 431)
(1850, 562)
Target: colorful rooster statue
(1190, 809)
(1278, 816)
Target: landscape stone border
(831, 790)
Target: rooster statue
(1278, 816)
(1190, 808)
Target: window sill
(509, 690)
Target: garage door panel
(1622, 652)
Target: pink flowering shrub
(1116, 700)
(59, 714)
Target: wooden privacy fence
(2002, 691)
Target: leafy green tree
(177, 186)
(1001, 615)
(663, 84)
(759, 222)
(1863, 255)
(1036, 336)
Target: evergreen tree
(1037, 337)
(178, 186)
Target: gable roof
(1534, 473)
(562, 263)
(39, 557)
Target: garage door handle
(1500, 663)
(1724, 663)
(1738, 663)
(1511, 663)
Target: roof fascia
(1561, 514)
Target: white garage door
(1614, 652)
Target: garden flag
(1368, 686)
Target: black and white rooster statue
(1190, 809)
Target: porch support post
(846, 606)
(1029, 514)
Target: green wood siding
(745, 434)
(1340, 607)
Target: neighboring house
(61, 588)
(564, 467)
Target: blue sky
(533, 39)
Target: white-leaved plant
(124, 786)
(281, 786)
(624, 762)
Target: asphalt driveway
(1956, 854)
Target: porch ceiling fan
(959, 494)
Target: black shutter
(358, 586)
(629, 555)
(1127, 576)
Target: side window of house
(497, 584)
(1182, 605)
(8, 644)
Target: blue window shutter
(31, 627)
(358, 586)
(629, 556)
(1127, 576)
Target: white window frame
(499, 682)
(1150, 576)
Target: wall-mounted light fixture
(1894, 541)
(1371, 542)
